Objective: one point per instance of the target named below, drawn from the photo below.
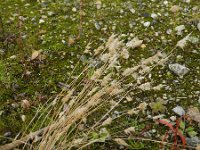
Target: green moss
(46, 74)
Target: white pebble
(41, 21)
(173, 118)
(179, 29)
(165, 2)
(187, 1)
(132, 10)
(198, 26)
(153, 16)
(147, 24)
(74, 9)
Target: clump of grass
(102, 90)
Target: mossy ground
(53, 35)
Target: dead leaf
(198, 147)
(25, 104)
(194, 114)
(71, 41)
(19, 42)
(35, 54)
(42, 57)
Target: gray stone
(179, 110)
(178, 69)
(7, 134)
(147, 24)
(97, 26)
(192, 141)
(180, 29)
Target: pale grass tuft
(141, 107)
(135, 42)
(106, 79)
(125, 53)
(66, 98)
(98, 50)
(145, 87)
(158, 87)
(107, 121)
(182, 43)
(97, 74)
(129, 71)
(114, 44)
(77, 142)
(105, 57)
(129, 130)
(88, 49)
(121, 142)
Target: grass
(61, 58)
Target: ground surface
(53, 27)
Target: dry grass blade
(87, 93)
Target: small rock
(194, 141)
(74, 9)
(153, 130)
(194, 114)
(132, 10)
(97, 26)
(41, 21)
(44, 17)
(23, 117)
(154, 16)
(175, 8)
(147, 24)
(15, 105)
(169, 31)
(179, 29)
(83, 58)
(51, 13)
(173, 118)
(193, 40)
(13, 57)
(26, 104)
(178, 69)
(7, 134)
(64, 42)
(165, 2)
(198, 26)
(179, 110)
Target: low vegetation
(99, 75)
